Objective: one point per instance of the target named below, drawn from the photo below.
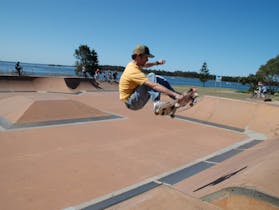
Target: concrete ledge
(248, 193)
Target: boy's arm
(162, 89)
(150, 64)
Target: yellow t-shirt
(131, 78)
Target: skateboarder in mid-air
(135, 88)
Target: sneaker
(159, 107)
(194, 99)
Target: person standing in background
(18, 68)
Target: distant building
(218, 78)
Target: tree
(270, 71)
(204, 74)
(252, 80)
(88, 58)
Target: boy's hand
(160, 62)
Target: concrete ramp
(15, 83)
(245, 181)
(67, 85)
(242, 198)
(51, 159)
(22, 112)
(224, 111)
(164, 197)
(48, 84)
(266, 120)
(242, 115)
(12, 109)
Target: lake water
(8, 68)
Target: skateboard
(171, 107)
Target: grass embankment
(223, 92)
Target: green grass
(223, 92)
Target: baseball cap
(142, 50)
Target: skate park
(81, 148)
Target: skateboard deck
(171, 107)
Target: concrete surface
(79, 164)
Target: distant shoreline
(48, 64)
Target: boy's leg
(160, 107)
(139, 98)
(162, 81)
(154, 95)
(142, 93)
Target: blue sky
(234, 37)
